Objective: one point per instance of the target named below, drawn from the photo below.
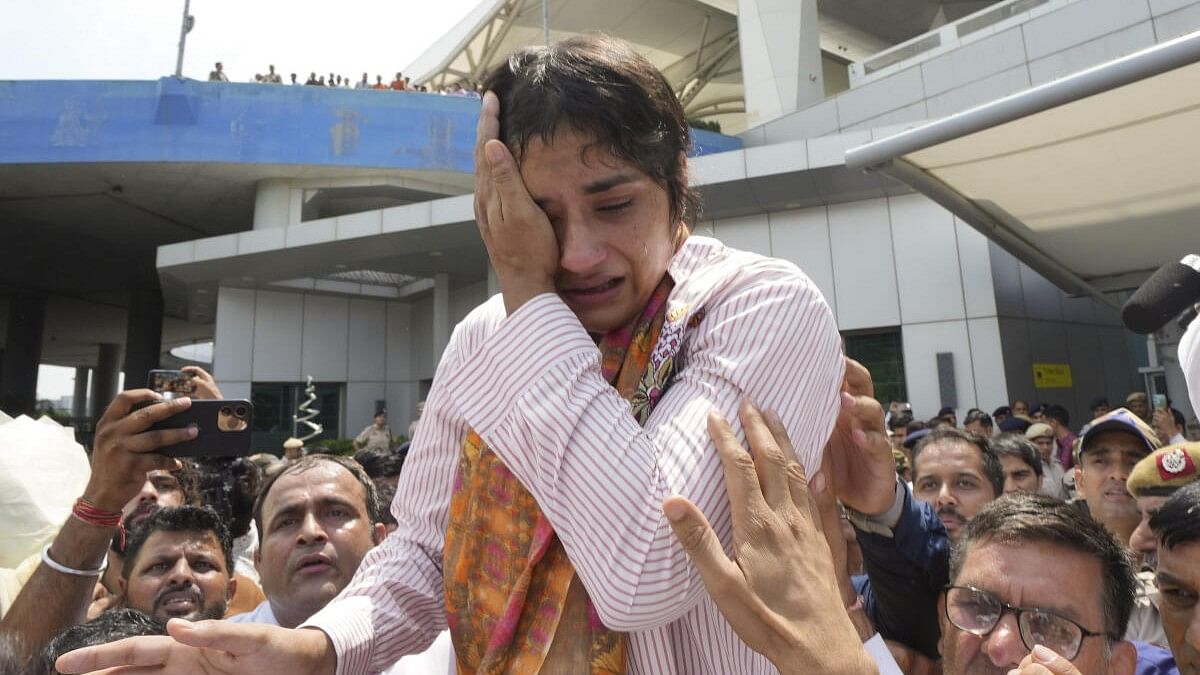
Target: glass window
(276, 402)
(882, 352)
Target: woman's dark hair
(599, 87)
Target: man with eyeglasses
(1034, 581)
(1176, 525)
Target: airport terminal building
(329, 233)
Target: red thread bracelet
(94, 515)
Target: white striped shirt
(530, 384)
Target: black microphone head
(1167, 292)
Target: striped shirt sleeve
(534, 391)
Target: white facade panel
(875, 98)
(402, 398)
(914, 114)
(1080, 22)
(987, 359)
(1181, 22)
(1161, 7)
(802, 238)
(863, 265)
(362, 224)
(278, 330)
(312, 232)
(974, 62)
(465, 299)
(927, 269)
(326, 335)
(424, 354)
(975, 265)
(978, 92)
(1092, 53)
(748, 233)
(399, 341)
(922, 343)
(360, 407)
(367, 340)
(235, 389)
(233, 335)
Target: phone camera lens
(240, 411)
(225, 410)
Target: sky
(138, 39)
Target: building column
(441, 314)
(79, 400)
(273, 204)
(143, 336)
(780, 45)
(104, 379)
(22, 354)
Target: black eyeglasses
(977, 612)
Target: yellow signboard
(1051, 375)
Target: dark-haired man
(115, 624)
(1060, 421)
(1177, 528)
(1021, 463)
(1109, 447)
(316, 520)
(978, 422)
(178, 565)
(575, 402)
(1033, 579)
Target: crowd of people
(646, 455)
(399, 83)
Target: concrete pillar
(79, 400)
(104, 379)
(22, 354)
(143, 336)
(273, 204)
(780, 45)
(441, 314)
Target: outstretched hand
(1044, 661)
(519, 238)
(779, 592)
(211, 648)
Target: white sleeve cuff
(882, 657)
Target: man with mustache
(906, 548)
(177, 565)
(316, 520)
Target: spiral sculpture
(308, 412)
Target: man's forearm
(52, 600)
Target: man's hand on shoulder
(863, 469)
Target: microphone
(1167, 292)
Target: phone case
(225, 429)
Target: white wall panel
(465, 299)
(1080, 22)
(802, 237)
(278, 327)
(233, 346)
(360, 406)
(922, 343)
(975, 264)
(973, 62)
(424, 356)
(1092, 53)
(863, 269)
(399, 341)
(367, 342)
(234, 389)
(987, 356)
(402, 405)
(749, 233)
(324, 348)
(926, 260)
